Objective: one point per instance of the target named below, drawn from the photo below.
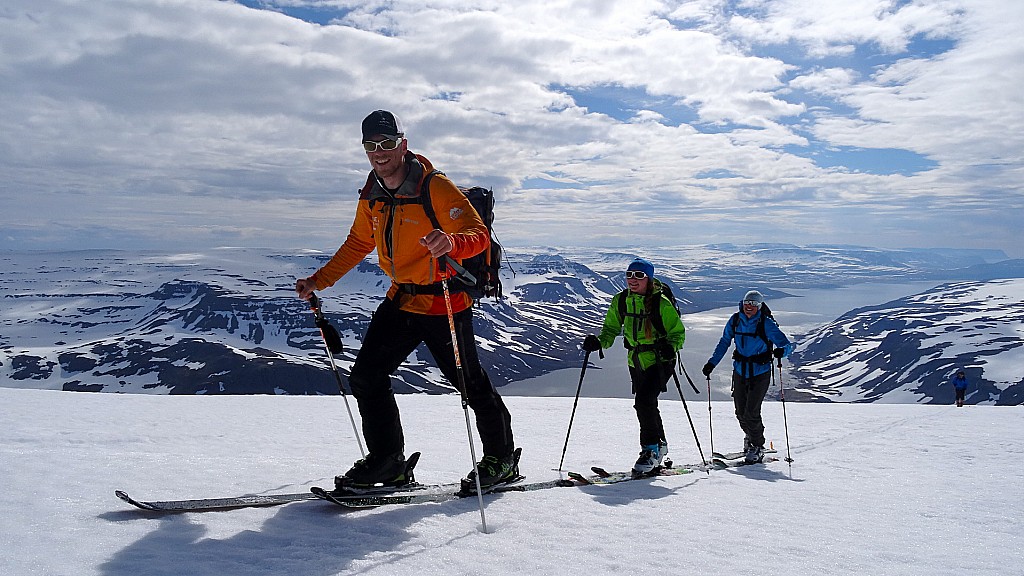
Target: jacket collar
(409, 188)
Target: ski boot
(389, 471)
(493, 471)
(648, 462)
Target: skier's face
(750, 308)
(637, 281)
(387, 162)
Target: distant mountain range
(906, 350)
(227, 321)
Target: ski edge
(720, 464)
(737, 455)
(208, 504)
(515, 485)
(603, 476)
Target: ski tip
(137, 503)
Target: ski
(205, 504)
(435, 493)
(736, 455)
(365, 502)
(208, 504)
(602, 476)
(736, 463)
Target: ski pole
(461, 385)
(332, 343)
(785, 421)
(683, 368)
(711, 425)
(583, 372)
(695, 438)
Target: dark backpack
(764, 357)
(486, 265)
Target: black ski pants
(647, 386)
(747, 397)
(392, 335)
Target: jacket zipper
(389, 240)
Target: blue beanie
(643, 265)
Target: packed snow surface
(880, 489)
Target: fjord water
(806, 311)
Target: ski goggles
(751, 303)
(385, 144)
(638, 274)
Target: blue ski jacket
(749, 344)
(958, 382)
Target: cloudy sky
(190, 124)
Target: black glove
(666, 352)
(707, 369)
(779, 353)
(591, 343)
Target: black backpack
(655, 315)
(764, 357)
(486, 265)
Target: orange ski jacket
(393, 223)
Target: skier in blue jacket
(959, 382)
(755, 332)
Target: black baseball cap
(384, 123)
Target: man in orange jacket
(390, 218)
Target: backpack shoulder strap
(428, 205)
(622, 304)
(765, 313)
(655, 312)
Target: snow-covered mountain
(906, 350)
(227, 321)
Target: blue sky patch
(623, 103)
(309, 13)
(880, 161)
(545, 184)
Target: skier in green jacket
(652, 333)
